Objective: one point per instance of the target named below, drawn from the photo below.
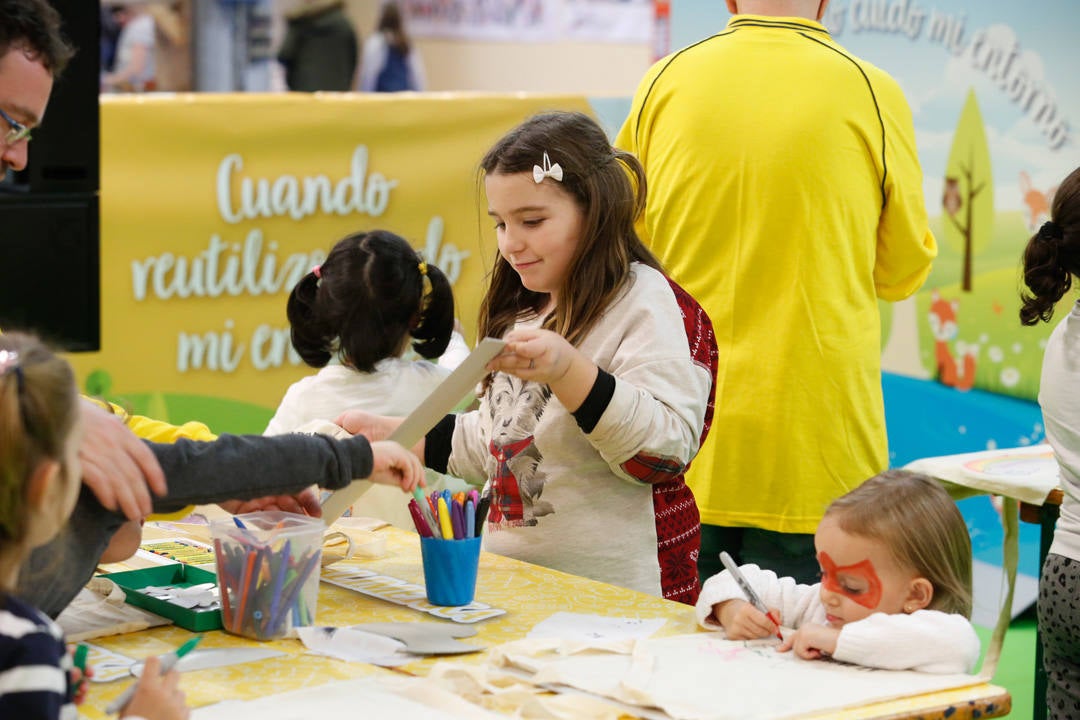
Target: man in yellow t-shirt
(785, 194)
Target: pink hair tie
(317, 271)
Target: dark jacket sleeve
(241, 467)
(233, 467)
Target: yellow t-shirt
(784, 193)
(162, 432)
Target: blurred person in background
(320, 50)
(134, 67)
(110, 34)
(172, 44)
(391, 63)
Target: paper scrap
(353, 645)
(581, 626)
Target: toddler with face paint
(895, 590)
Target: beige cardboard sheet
(703, 676)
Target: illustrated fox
(944, 327)
(1038, 203)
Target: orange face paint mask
(864, 570)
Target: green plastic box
(173, 574)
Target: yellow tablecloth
(527, 592)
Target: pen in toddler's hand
(168, 661)
(81, 652)
(79, 661)
(752, 596)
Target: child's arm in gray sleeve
(242, 467)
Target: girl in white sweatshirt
(895, 590)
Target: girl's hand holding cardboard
(811, 641)
(546, 357)
(534, 354)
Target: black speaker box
(65, 151)
(49, 269)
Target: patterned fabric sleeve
(678, 524)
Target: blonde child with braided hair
(40, 431)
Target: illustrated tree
(968, 198)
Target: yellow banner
(214, 206)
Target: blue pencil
(470, 518)
(293, 592)
(279, 582)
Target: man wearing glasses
(32, 53)
(117, 466)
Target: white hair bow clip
(552, 171)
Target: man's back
(785, 195)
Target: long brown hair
(391, 23)
(913, 516)
(608, 185)
(1052, 255)
(38, 410)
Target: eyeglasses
(17, 130)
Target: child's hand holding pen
(80, 672)
(742, 621)
(157, 696)
(772, 615)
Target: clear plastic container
(268, 572)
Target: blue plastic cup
(450, 570)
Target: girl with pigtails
(358, 317)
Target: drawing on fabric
(653, 674)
